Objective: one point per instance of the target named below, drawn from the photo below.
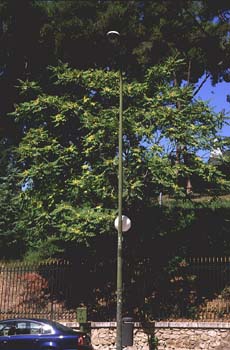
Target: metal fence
(36, 290)
(212, 286)
(196, 288)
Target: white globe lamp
(126, 223)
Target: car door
(20, 337)
(46, 337)
(6, 329)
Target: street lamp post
(120, 194)
(119, 222)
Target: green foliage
(65, 126)
(68, 157)
(12, 240)
(149, 31)
(36, 34)
(153, 342)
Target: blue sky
(217, 98)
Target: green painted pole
(119, 241)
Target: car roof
(43, 320)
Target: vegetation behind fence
(196, 288)
(36, 290)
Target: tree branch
(202, 83)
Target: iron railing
(36, 290)
(212, 286)
(195, 288)
(198, 289)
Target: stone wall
(192, 336)
(165, 336)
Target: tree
(151, 31)
(12, 243)
(35, 34)
(68, 155)
(220, 155)
(22, 55)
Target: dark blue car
(33, 334)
